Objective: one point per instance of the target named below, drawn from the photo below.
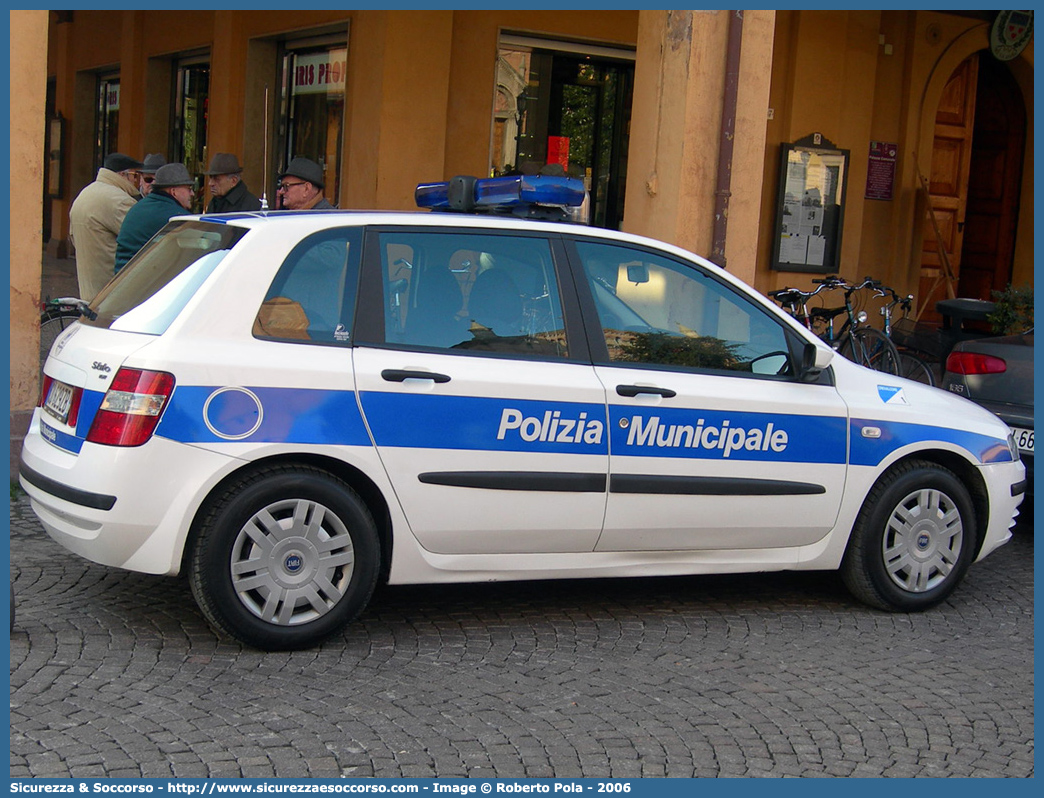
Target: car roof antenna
(264, 185)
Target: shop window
(190, 116)
(569, 105)
(107, 119)
(312, 106)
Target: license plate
(1023, 439)
(59, 400)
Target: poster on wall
(810, 210)
(880, 171)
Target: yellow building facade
(677, 120)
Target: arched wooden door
(948, 185)
(974, 183)
(994, 183)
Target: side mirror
(638, 273)
(813, 360)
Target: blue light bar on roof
(464, 194)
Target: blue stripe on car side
(288, 415)
(894, 435)
(484, 424)
(306, 416)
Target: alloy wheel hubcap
(923, 540)
(292, 562)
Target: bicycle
(911, 365)
(856, 341)
(56, 315)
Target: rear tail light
(44, 389)
(974, 363)
(131, 408)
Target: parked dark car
(997, 373)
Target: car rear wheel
(913, 540)
(285, 558)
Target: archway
(974, 183)
(991, 215)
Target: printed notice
(880, 172)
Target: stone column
(28, 108)
(675, 130)
(398, 72)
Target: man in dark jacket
(301, 186)
(172, 194)
(227, 187)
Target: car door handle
(634, 390)
(401, 375)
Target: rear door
(714, 443)
(476, 387)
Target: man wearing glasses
(95, 219)
(153, 161)
(301, 186)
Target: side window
(472, 292)
(313, 296)
(658, 311)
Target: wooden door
(948, 185)
(993, 188)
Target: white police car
(292, 406)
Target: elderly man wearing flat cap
(227, 187)
(301, 186)
(172, 194)
(95, 219)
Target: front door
(488, 420)
(714, 444)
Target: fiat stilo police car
(292, 406)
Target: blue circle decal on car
(233, 413)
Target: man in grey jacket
(227, 188)
(96, 216)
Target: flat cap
(305, 169)
(172, 174)
(152, 162)
(224, 163)
(118, 162)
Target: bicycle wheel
(52, 324)
(913, 368)
(870, 347)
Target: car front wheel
(913, 540)
(285, 558)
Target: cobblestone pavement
(116, 674)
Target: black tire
(870, 347)
(913, 368)
(52, 324)
(913, 540)
(284, 558)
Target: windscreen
(151, 290)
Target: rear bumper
(112, 505)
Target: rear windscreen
(151, 290)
